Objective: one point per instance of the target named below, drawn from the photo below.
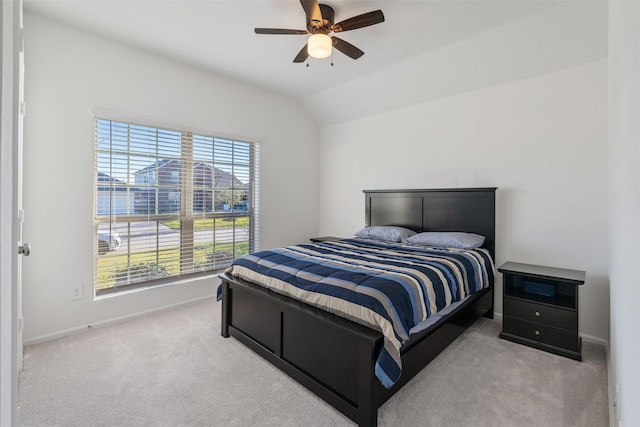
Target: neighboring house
(160, 184)
(112, 196)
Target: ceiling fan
(320, 25)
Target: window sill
(213, 274)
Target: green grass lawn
(209, 223)
(166, 263)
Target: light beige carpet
(174, 369)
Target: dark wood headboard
(471, 210)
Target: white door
(10, 228)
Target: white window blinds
(170, 204)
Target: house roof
(109, 183)
(221, 178)
(162, 163)
(103, 177)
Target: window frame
(187, 215)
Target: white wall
(624, 220)
(68, 73)
(541, 140)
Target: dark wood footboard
(332, 356)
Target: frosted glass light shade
(319, 46)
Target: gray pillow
(447, 239)
(387, 233)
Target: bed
(336, 357)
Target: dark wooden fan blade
(364, 20)
(302, 55)
(347, 48)
(312, 10)
(278, 31)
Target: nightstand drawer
(542, 314)
(541, 333)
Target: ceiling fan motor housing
(324, 27)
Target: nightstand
(325, 239)
(540, 307)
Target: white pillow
(387, 233)
(447, 239)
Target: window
(170, 204)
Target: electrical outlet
(76, 293)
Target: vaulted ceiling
(218, 36)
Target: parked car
(108, 242)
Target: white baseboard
(107, 322)
(595, 340)
(613, 393)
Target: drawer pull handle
(537, 332)
(537, 313)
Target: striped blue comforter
(389, 287)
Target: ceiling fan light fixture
(319, 23)
(319, 46)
